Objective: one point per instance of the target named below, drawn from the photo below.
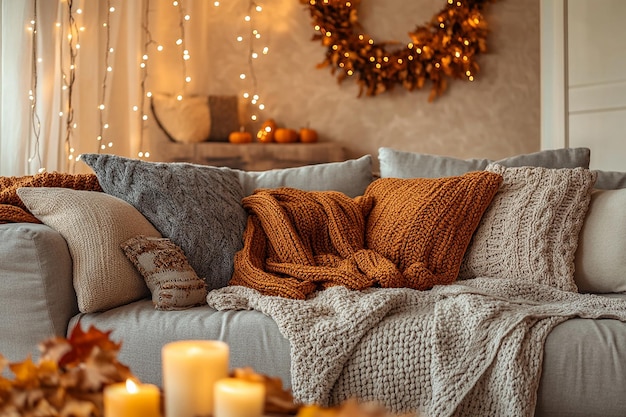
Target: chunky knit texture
(297, 241)
(530, 230)
(425, 225)
(13, 210)
(198, 207)
(460, 350)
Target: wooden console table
(250, 157)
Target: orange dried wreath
(445, 47)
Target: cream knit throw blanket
(473, 348)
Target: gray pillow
(403, 164)
(349, 177)
(197, 207)
(610, 180)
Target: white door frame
(554, 80)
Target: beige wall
(497, 115)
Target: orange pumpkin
(240, 136)
(308, 135)
(267, 131)
(285, 135)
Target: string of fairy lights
(255, 50)
(35, 121)
(69, 28)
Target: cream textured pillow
(600, 258)
(94, 224)
(172, 281)
(530, 230)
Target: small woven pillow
(172, 281)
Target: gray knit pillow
(198, 207)
(530, 230)
(173, 283)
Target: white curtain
(132, 30)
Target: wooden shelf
(250, 157)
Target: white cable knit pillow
(530, 230)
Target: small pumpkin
(308, 135)
(240, 136)
(267, 131)
(285, 135)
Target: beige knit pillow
(94, 224)
(530, 230)
(172, 281)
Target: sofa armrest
(37, 297)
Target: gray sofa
(584, 363)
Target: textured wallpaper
(497, 115)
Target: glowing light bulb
(239, 38)
(179, 97)
(179, 41)
(242, 76)
(135, 108)
(159, 48)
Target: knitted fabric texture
(13, 210)
(530, 230)
(458, 350)
(425, 225)
(172, 281)
(298, 241)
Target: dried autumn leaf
(277, 399)
(54, 348)
(84, 342)
(75, 408)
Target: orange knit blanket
(12, 209)
(296, 242)
(402, 233)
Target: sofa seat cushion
(584, 369)
(253, 337)
(583, 373)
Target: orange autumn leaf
(83, 343)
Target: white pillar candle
(130, 399)
(190, 369)
(238, 398)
